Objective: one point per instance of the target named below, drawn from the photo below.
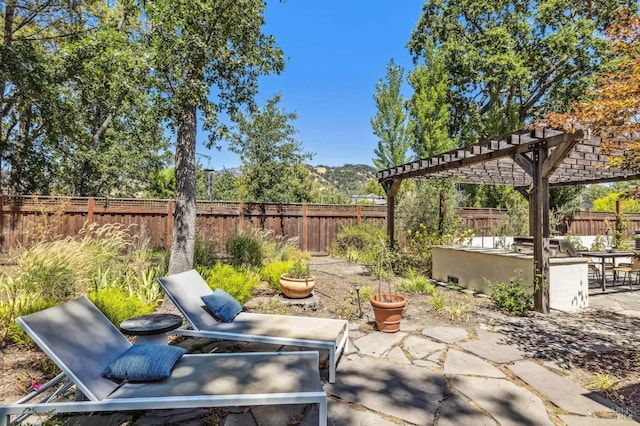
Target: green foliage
(607, 203)
(103, 259)
(600, 242)
(603, 383)
(416, 283)
(300, 269)
(117, 305)
(272, 271)
(239, 284)
(391, 124)
(417, 254)
(246, 249)
(206, 250)
(438, 300)
(513, 297)
(15, 302)
(429, 107)
(493, 88)
(359, 241)
(273, 169)
(334, 185)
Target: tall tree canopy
(75, 114)
(391, 124)
(429, 107)
(613, 110)
(207, 56)
(272, 159)
(511, 61)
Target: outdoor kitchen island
(476, 268)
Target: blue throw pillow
(222, 305)
(144, 363)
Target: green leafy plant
(513, 297)
(117, 305)
(416, 283)
(458, 310)
(299, 270)
(246, 249)
(438, 300)
(238, 283)
(603, 383)
(272, 271)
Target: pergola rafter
(530, 160)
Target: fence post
(240, 216)
(358, 214)
(2, 236)
(169, 240)
(90, 207)
(305, 226)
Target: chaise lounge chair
(186, 288)
(82, 342)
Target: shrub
(272, 271)
(117, 305)
(512, 296)
(205, 251)
(246, 249)
(14, 303)
(438, 300)
(360, 238)
(56, 270)
(239, 284)
(416, 283)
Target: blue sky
(337, 50)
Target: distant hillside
(348, 179)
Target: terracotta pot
(387, 309)
(296, 288)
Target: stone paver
(561, 391)
(456, 411)
(446, 334)
(419, 347)
(494, 347)
(342, 414)
(397, 355)
(506, 402)
(572, 420)
(461, 363)
(407, 392)
(378, 344)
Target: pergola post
(539, 222)
(391, 189)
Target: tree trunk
(184, 219)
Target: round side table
(151, 328)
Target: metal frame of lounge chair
(185, 289)
(82, 342)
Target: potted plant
(387, 307)
(297, 282)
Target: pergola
(532, 161)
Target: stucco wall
(472, 267)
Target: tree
(613, 111)
(74, 100)
(510, 62)
(196, 46)
(391, 124)
(429, 108)
(273, 169)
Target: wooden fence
(24, 218)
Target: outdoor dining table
(603, 256)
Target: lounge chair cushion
(144, 363)
(222, 305)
